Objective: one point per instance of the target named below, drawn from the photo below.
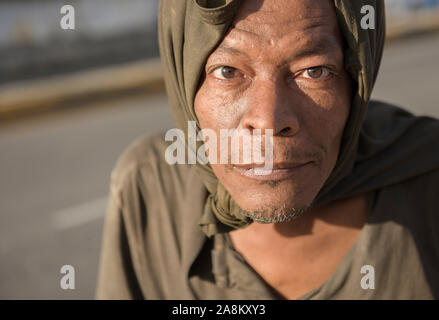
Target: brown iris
(228, 72)
(315, 72)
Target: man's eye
(224, 73)
(317, 72)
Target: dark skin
(280, 67)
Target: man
(350, 209)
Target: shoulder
(424, 192)
(142, 152)
(143, 182)
(413, 203)
(143, 163)
(420, 194)
(424, 186)
(151, 193)
(152, 216)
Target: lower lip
(273, 175)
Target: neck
(313, 245)
(319, 222)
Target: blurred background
(72, 100)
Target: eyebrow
(317, 49)
(231, 50)
(320, 48)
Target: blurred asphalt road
(55, 170)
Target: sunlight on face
(280, 67)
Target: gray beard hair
(275, 215)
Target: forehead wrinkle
(321, 45)
(234, 27)
(224, 49)
(262, 31)
(321, 22)
(253, 25)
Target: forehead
(273, 20)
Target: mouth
(279, 171)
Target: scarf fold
(381, 144)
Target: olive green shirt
(154, 248)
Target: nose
(270, 106)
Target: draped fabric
(381, 144)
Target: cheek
(217, 111)
(332, 122)
(326, 118)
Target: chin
(274, 201)
(271, 206)
(277, 194)
(284, 197)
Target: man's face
(279, 67)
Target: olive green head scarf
(381, 144)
